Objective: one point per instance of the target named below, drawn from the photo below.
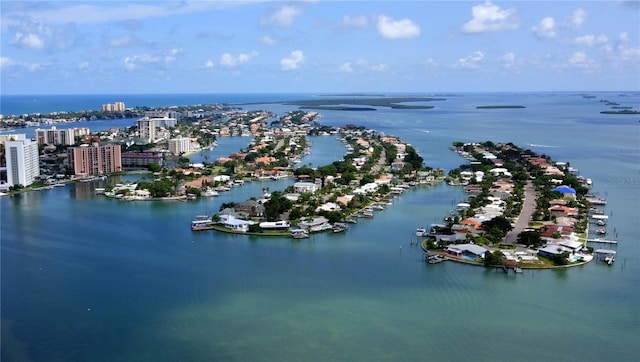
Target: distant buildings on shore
(113, 107)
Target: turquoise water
(86, 278)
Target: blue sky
(75, 47)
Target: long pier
(602, 241)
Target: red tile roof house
(560, 210)
(550, 231)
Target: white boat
(339, 227)
(210, 193)
(274, 225)
(299, 233)
(609, 259)
(421, 231)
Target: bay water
(85, 278)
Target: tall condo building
(146, 129)
(179, 145)
(94, 160)
(55, 136)
(23, 165)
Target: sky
(126, 47)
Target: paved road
(528, 208)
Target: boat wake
(542, 146)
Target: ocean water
(86, 278)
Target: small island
(500, 107)
(621, 111)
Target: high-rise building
(23, 164)
(146, 129)
(94, 160)
(55, 136)
(179, 145)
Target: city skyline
(125, 47)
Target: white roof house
(472, 250)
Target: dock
(435, 258)
(602, 241)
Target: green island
(500, 107)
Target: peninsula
(523, 211)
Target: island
(524, 210)
(500, 107)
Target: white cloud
(84, 66)
(31, 41)
(489, 17)
(591, 40)
(346, 67)
(472, 61)
(135, 61)
(578, 17)
(109, 11)
(431, 62)
(546, 28)
(362, 65)
(578, 58)
(209, 64)
(293, 61)
(268, 40)
(231, 61)
(171, 57)
(6, 62)
(282, 16)
(121, 41)
(623, 37)
(349, 21)
(397, 29)
(508, 60)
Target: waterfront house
(250, 208)
(560, 210)
(466, 250)
(235, 224)
(553, 250)
(302, 187)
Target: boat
(609, 259)
(351, 220)
(275, 225)
(299, 233)
(320, 227)
(601, 231)
(210, 193)
(421, 231)
(367, 214)
(434, 259)
(339, 227)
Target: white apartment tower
(55, 136)
(146, 129)
(23, 165)
(180, 145)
